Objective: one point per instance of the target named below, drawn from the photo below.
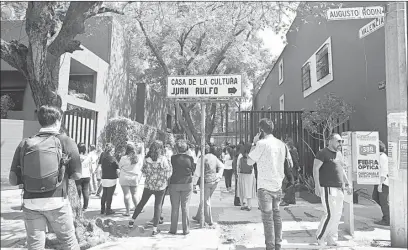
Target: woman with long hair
(109, 178)
(130, 166)
(246, 180)
(83, 184)
(157, 171)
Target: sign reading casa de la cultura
(210, 86)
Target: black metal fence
(287, 124)
(81, 125)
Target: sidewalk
(235, 229)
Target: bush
(6, 104)
(120, 130)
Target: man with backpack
(42, 164)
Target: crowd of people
(43, 163)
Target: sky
(272, 41)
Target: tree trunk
(211, 111)
(190, 124)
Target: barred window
(306, 82)
(322, 62)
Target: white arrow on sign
(371, 27)
(355, 13)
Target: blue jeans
(209, 189)
(271, 218)
(62, 222)
(180, 197)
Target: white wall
(12, 132)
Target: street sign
(355, 13)
(371, 27)
(204, 87)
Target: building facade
(95, 79)
(328, 56)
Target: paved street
(235, 229)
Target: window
(17, 97)
(82, 86)
(322, 62)
(306, 82)
(280, 72)
(317, 71)
(282, 102)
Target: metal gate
(287, 124)
(81, 125)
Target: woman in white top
(246, 179)
(130, 166)
(83, 184)
(228, 158)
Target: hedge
(120, 130)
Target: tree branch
(198, 47)
(154, 50)
(15, 54)
(74, 24)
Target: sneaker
(331, 242)
(154, 233)
(131, 224)
(321, 242)
(102, 211)
(174, 233)
(243, 208)
(109, 212)
(248, 209)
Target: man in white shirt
(381, 191)
(270, 155)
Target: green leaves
(120, 130)
(330, 112)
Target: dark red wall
(358, 67)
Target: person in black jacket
(291, 175)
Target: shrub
(6, 104)
(120, 130)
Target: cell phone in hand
(261, 134)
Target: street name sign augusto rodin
(355, 13)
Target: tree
(51, 28)
(202, 38)
(331, 112)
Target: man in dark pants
(237, 201)
(291, 174)
(381, 192)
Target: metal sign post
(202, 222)
(203, 89)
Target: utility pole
(396, 89)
